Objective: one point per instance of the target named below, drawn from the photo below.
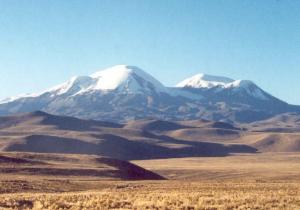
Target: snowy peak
(210, 81)
(112, 78)
(128, 78)
(123, 92)
(120, 78)
(204, 81)
(217, 83)
(72, 86)
(250, 88)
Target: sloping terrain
(139, 140)
(199, 130)
(275, 142)
(63, 166)
(154, 125)
(42, 132)
(287, 122)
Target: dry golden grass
(263, 166)
(261, 181)
(166, 195)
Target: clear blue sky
(44, 42)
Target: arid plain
(53, 162)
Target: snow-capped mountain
(123, 92)
(205, 81)
(128, 79)
(219, 85)
(120, 78)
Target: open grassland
(166, 195)
(255, 167)
(259, 181)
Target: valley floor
(250, 167)
(166, 195)
(256, 181)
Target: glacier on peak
(204, 81)
(126, 79)
(131, 78)
(125, 92)
(123, 78)
(210, 81)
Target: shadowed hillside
(33, 164)
(286, 123)
(144, 139)
(147, 139)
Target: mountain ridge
(123, 92)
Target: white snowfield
(122, 75)
(204, 81)
(127, 79)
(209, 81)
(123, 78)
